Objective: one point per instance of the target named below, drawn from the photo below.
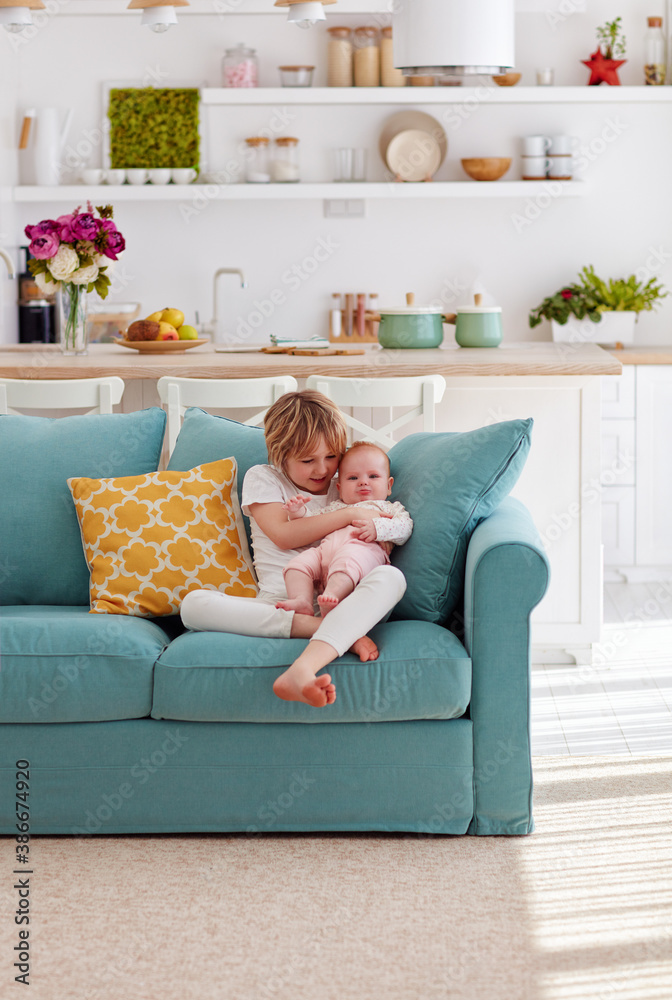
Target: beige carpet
(580, 910)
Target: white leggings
(369, 603)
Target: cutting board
(317, 352)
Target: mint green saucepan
(477, 326)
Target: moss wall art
(154, 127)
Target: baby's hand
(386, 546)
(296, 506)
(365, 531)
(361, 514)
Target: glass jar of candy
(240, 67)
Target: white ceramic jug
(47, 144)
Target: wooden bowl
(507, 80)
(486, 168)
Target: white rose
(64, 263)
(84, 275)
(47, 287)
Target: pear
(173, 316)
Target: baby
(344, 557)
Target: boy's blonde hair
(368, 444)
(295, 423)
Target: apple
(173, 316)
(187, 332)
(155, 317)
(167, 332)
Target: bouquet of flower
(73, 252)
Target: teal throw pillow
(449, 483)
(42, 559)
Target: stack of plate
(413, 145)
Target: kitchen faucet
(212, 327)
(8, 261)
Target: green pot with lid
(411, 327)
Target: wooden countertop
(644, 356)
(46, 361)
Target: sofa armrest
(506, 576)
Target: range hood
(453, 37)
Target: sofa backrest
(42, 559)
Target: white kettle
(44, 135)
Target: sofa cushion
(42, 557)
(63, 664)
(423, 672)
(151, 539)
(449, 483)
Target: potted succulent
(603, 64)
(593, 311)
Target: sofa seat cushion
(62, 664)
(423, 672)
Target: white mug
(116, 176)
(159, 175)
(92, 175)
(535, 167)
(561, 167)
(562, 145)
(183, 175)
(136, 175)
(535, 145)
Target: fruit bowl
(507, 79)
(160, 346)
(486, 168)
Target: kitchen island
(556, 384)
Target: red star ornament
(602, 69)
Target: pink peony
(44, 247)
(44, 228)
(85, 226)
(65, 227)
(114, 244)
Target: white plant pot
(613, 328)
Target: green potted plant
(603, 63)
(597, 311)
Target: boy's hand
(365, 531)
(296, 506)
(361, 514)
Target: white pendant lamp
(158, 15)
(303, 14)
(441, 37)
(15, 17)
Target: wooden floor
(623, 703)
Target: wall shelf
(190, 193)
(487, 93)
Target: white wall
(520, 251)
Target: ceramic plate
(403, 120)
(413, 155)
(160, 346)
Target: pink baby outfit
(339, 552)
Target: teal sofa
(134, 725)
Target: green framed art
(154, 127)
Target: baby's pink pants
(339, 552)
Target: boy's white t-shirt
(266, 484)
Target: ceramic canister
(411, 328)
(478, 326)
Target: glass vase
(72, 303)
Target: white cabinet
(636, 477)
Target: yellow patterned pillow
(151, 539)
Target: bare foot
(298, 685)
(297, 604)
(327, 603)
(365, 648)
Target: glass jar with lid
(367, 57)
(655, 60)
(389, 76)
(257, 168)
(240, 67)
(285, 165)
(339, 57)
